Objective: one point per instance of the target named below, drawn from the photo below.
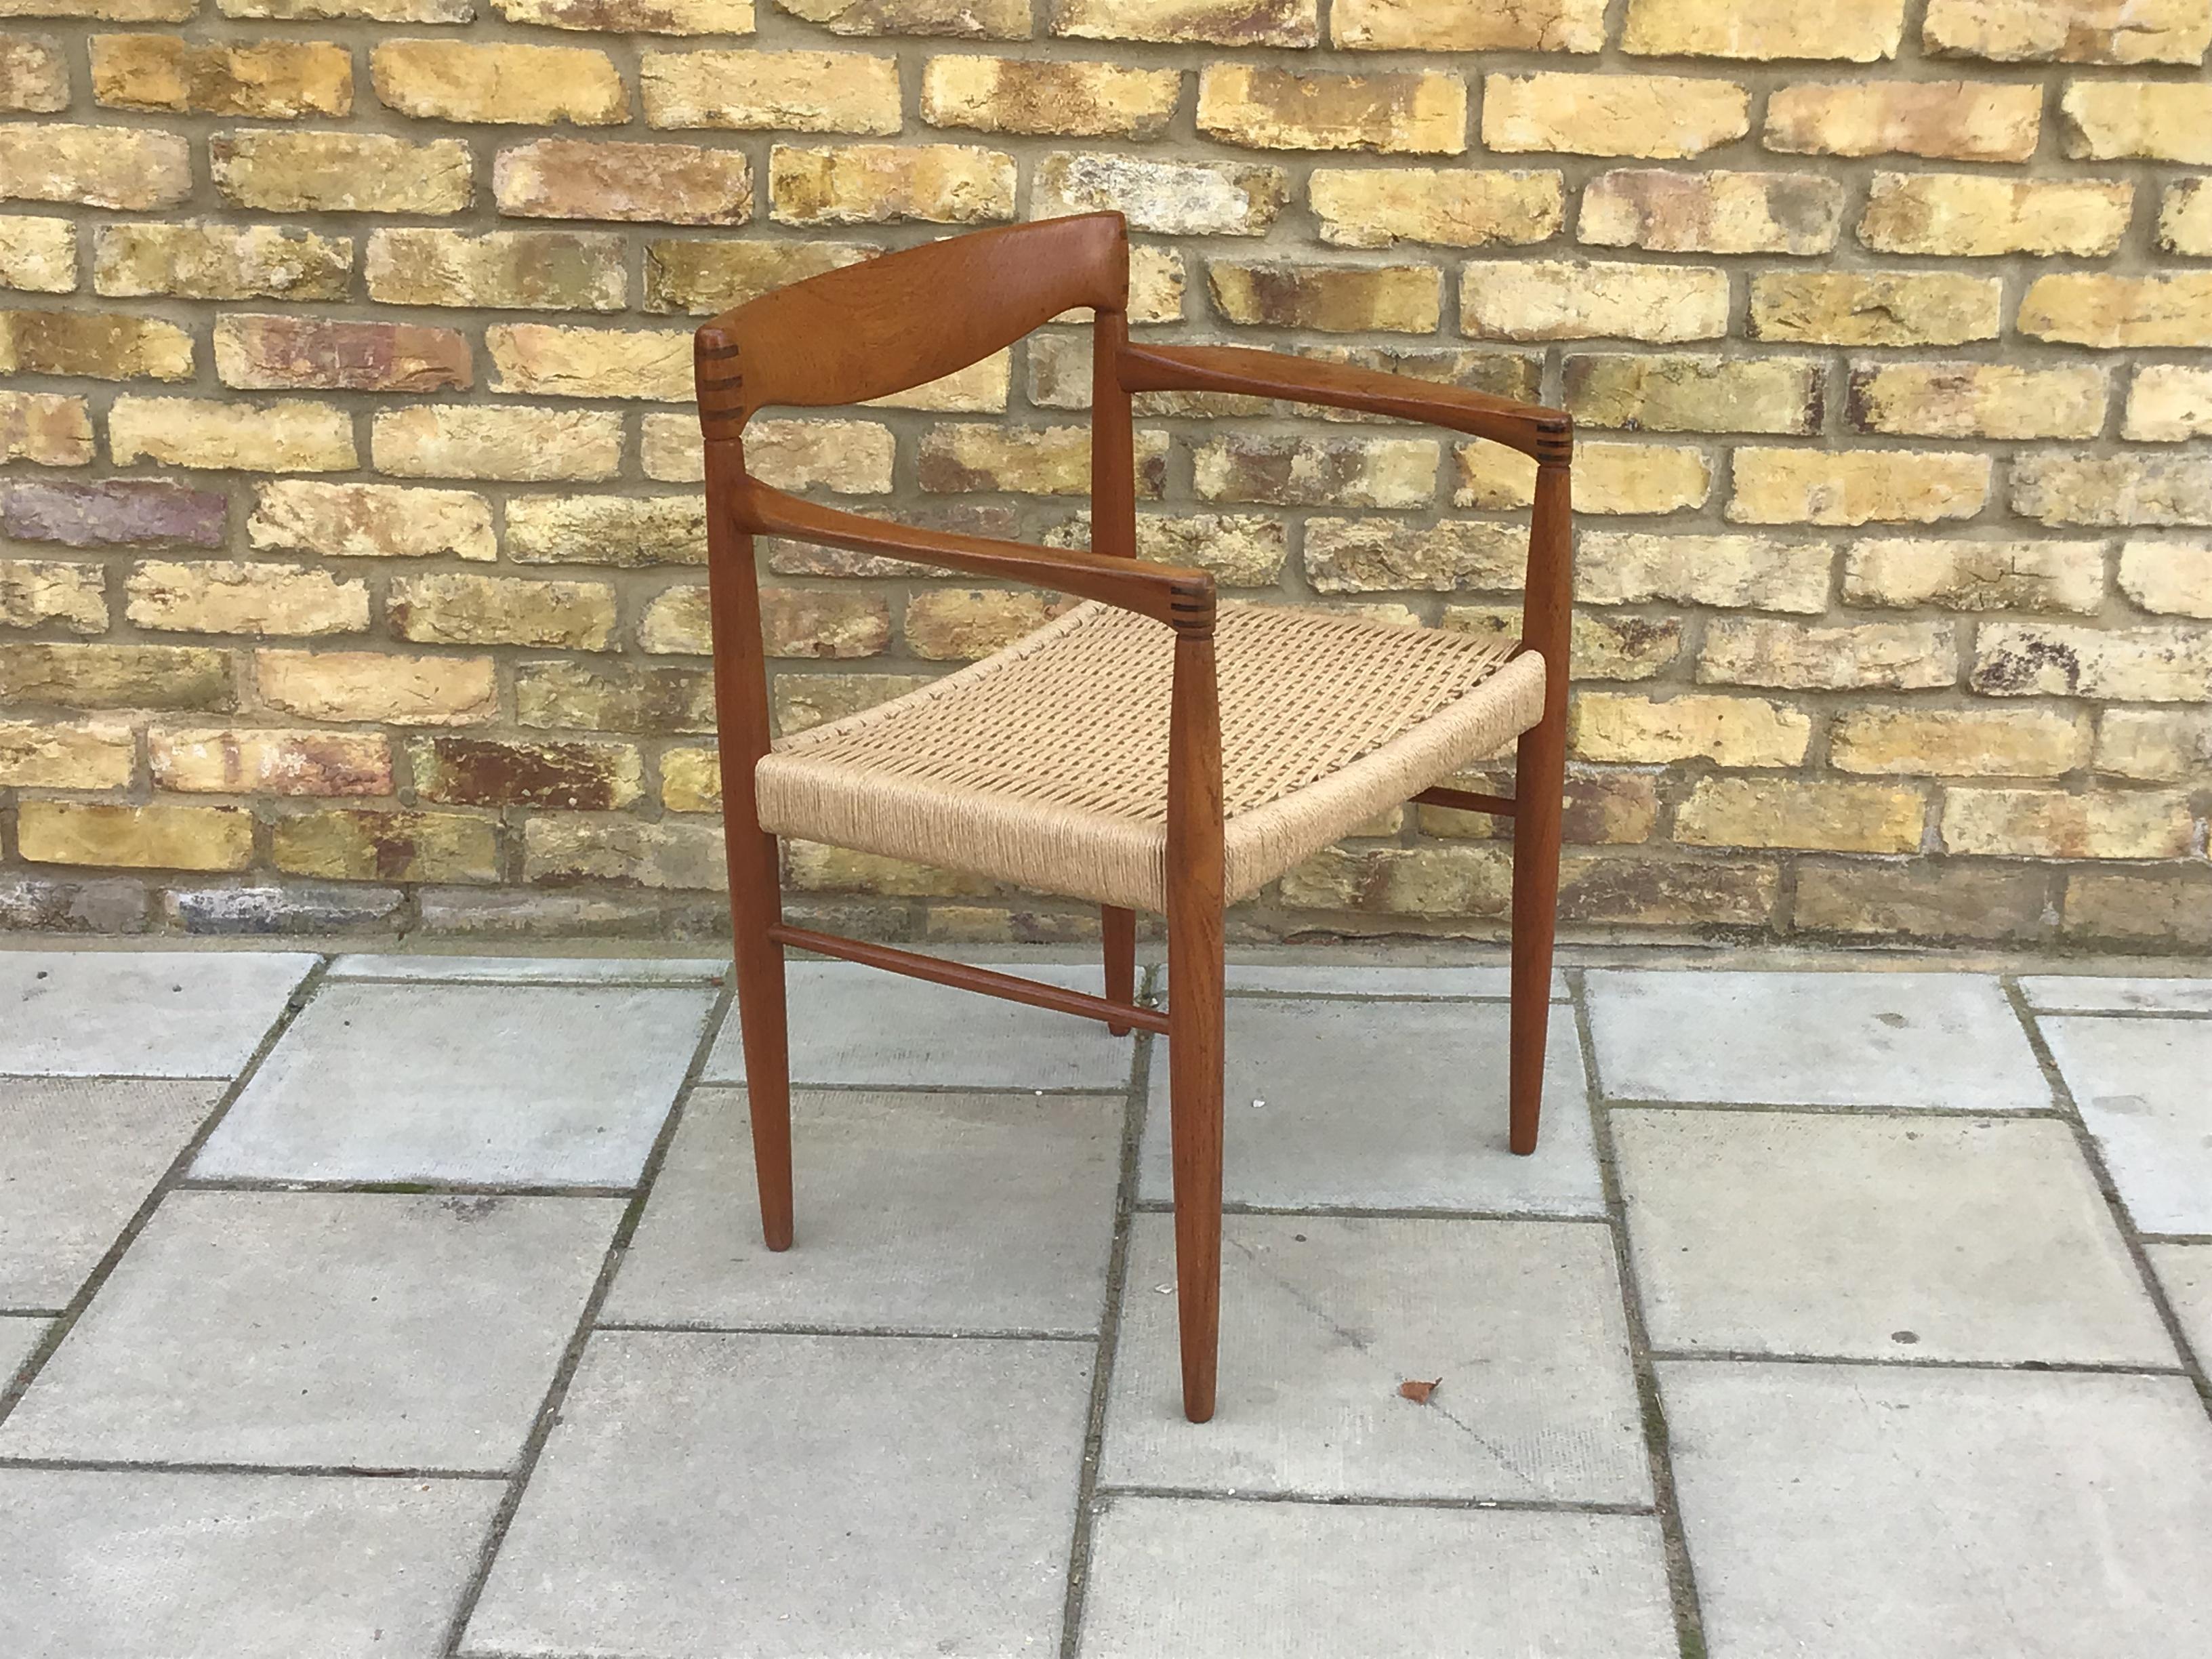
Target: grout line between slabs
(1873, 1362)
(1385, 1501)
(1383, 1213)
(1815, 1108)
(297, 1471)
(1681, 1576)
(549, 1411)
(859, 1332)
(400, 1189)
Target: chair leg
(1195, 1082)
(1539, 776)
(1119, 928)
(756, 903)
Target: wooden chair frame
(907, 318)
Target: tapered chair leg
(1119, 930)
(1195, 1082)
(756, 903)
(1538, 777)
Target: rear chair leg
(1195, 1082)
(756, 903)
(1119, 929)
(1537, 779)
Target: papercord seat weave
(1046, 764)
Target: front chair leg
(1195, 1081)
(756, 903)
(1118, 928)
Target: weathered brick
(2184, 218)
(135, 837)
(2050, 823)
(96, 167)
(1653, 116)
(583, 777)
(805, 701)
(1856, 31)
(1931, 901)
(114, 512)
(546, 360)
(2157, 746)
(1612, 889)
(1619, 726)
(1591, 299)
(277, 80)
(634, 16)
(2157, 120)
(1963, 575)
(50, 755)
(2168, 403)
(36, 591)
(1374, 207)
(812, 622)
(1034, 95)
(811, 866)
(505, 270)
(529, 445)
(945, 624)
(1874, 308)
(38, 256)
(1514, 374)
(623, 851)
(1973, 215)
(458, 80)
(1316, 471)
(705, 278)
(293, 436)
(875, 184)
(468, 610)
(782, 91)
(1053, 461)
(1943, 120)
(852, 458)
(691, 780)
(2126, 664)
(2094, 308)
(1958, 742)
(1815, 815)
(2070, 31)
(33, 75)
(1392, 299)
(623, 531)
(1242, 549)
(382, 12)
(340, 173)
(1603, 807)
(345, 844)
(617, 696)
(2170, 577)
(1363, 555)
(967, 20)
(1602, 646)
(116, 676)
(2111, 490)
(1468, 24)
(677, 622)
(269, 908)
(1418, 113)
(234, 596)
(1715, 212)
(44, 428)
(1215, 22)
(1812, 486)
(96, 346)
(656, 184)
(370, 521)
(1728, 572)
(1977, 400)
(1795, 657)
(1166, 198)
(1660, 392)
(386, 686)
(1608, 478)
(1408, 881)
(233, 760)
(262, 353)
(2164, 910)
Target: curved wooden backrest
(890, 324)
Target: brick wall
(350, 571)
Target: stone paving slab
(1322, 1317)
(1200, 1579)
(1388, 1105)
(1878, 1237)
(19, 1334)
(532, 970)
(928, 1211)
(77, 1157)
(1864, 1512)
(757, 1496)
(2068, 993)
(357, 1330)
(2185, 1273)
(482, 1083)
(862, 1026)
(2144, 1087)
(1948, 1041)
(1491, 981)
(145, 1013)
(156, 1565)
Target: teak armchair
(1110, 754)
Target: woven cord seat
(1046, 765)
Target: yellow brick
(872, 183)
(567, 848)
(1308, 472)
(1468, 24)
(280, 80)
(1811, 486)
(1418, 113)
(34, 78)
(387, 687)
(691, 780)
(1856, 31)
(53, 755)
(1788, 813)
(1976, 575)
(2171, 578)
(117, 676)
(1647, 115)
(2184, 217)
(783, 91)
(2048, 823)
(802, 622)
(1714, 212)
(2158, 746)
(2160, 120)
(1615, 725)
(1795, 657)
(60, 591)
(221, 262)
(434, 441)
(541, 360)
(1727, 572)
(1971, 215)
(455, 81)
(348, 845)
(1655, 392)
(634, 17)
(1365, 555)
(663, 184)
(1893, 308)
(2169, 403)
(135, 837)
(2096, 309)
(234, 596)
(968, 20)
(1217, 23)
(505, 270)
(1053, 460)
(245, 761)
(1030, 95)
(38, 256)
(705, 278)
(215, 432)
(1958, 742)
(953, 625)
(470, 610)
(1167, 199)
(1608, 478)
(1978, 400)
(340, 173)
(2071, 31)
(371, 521)
(1374, 207)
(97, 167)
(2125, 665)
(44, 428)
(2112, 490)
(1589, 299)
(1945, 121)
(1392, 299)
(626, 530)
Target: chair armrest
(1545, 434)
(1179, 596)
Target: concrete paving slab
(1878, 1237)
(926, 1212)
(19, 1334)
(1388, 1105)
(2185, 1273)
(77, 1157)
(856, 1025)
(2140, 1085)
(491, 1084)
(1489, 982)
(373, 1331)
(757, 1496)
(1944, 1040)
(1322, 1317)
(533, 970)
(143, 1566)
(139, 1013)
(1863, 1512)
(2069, 993)
(1204, 1579)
